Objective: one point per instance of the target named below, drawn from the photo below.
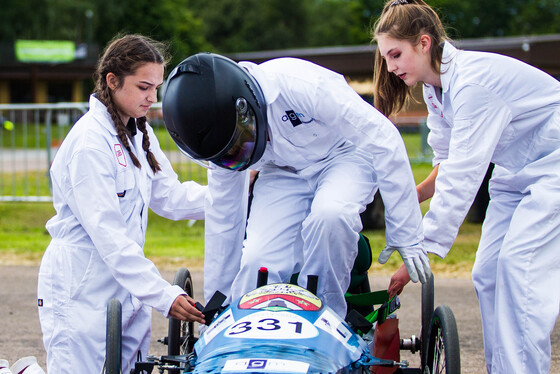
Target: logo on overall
(430, 97)
(121, 158)
(295, 118)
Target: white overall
(329, 152)
(96, 253)
(497, 109)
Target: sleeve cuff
(167, 299)
(434, 247)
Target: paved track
(20, 333)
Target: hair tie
(399, 2)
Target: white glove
(415, 259)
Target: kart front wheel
(181, 334)
(113, 345)
(443, 355)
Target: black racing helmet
(215, 111)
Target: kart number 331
(276, 325)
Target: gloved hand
(415, 259)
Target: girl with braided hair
(484, 108)
(107, 172)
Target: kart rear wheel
(181, 334)
(113, 345)
(427, 312)
(443, 355)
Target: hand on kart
(398, 281)
(183, 309)
(415, 259)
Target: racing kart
(283, 328)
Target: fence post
(424, 137)
(48, 117)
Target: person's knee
(329, 216)
(251, 264)
(483, 275)
(278, 271)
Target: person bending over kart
(321, 152)
(484, 108)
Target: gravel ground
(20, 333)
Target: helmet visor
(237, 155)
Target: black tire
(373, 217)
(443, 354)
(181, 334)
(113, 345)
(427, 313)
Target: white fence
(29, 138)
(31, 133)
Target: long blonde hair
(404, 20)
(122, 57)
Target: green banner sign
(45, 50)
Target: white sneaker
(5, 367)
(27, 365)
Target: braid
(123, 57)
(154, 164)
(119, 125)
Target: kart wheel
(427, 312)
(181, 334)
(443, 355)
(113, 345)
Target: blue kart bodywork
(281, 328)
(284, 328)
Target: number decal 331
(277, 325)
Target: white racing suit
(328, 153)
(497, 109)
(96, 253)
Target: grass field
(170, 244)
(34, 135)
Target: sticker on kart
(272, 325)
(280, 296)
(225, 320)
(264, 366)
(332, 324)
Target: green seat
(359, 296)
(361, 265)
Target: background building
(38, 77)
(46, 71)
(356, 62)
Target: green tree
(341, 22)
(252, 25)
(475, 19)
(227, 26)
(170, 21)
(98, 21)
(43, 19)
(540, 17)
(249, 25)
